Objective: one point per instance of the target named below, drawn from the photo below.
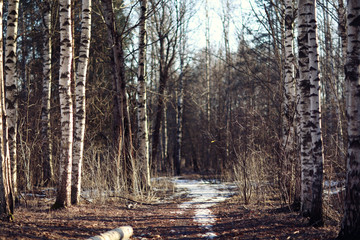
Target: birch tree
(304, 110)
(310, 114)
(288, 141)
(80, 114)
(342, 26)
(316, 217)
(46, 95)
(63, 198)
(11, 79)
(143, 135)
(350, 226)
(6, 192)
(179, 118)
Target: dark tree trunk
(122, 117)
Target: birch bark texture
(304, 109)
(342, 28)
(6, 194)
(143, 134)
(46, 95)
(316, 217)
(289, 104)
(11, 83)
(289, 81)
(80, 105)
(63, 198)
(350, 226)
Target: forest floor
(166, 219)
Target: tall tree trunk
(304, 110)
(167, 33)
(164, 162)
(179, 128)
(226, 22)
(316, 217)
(63, 198)
(342, 26)
(181, 8)
(350, 226)
(288, 140)
(48, 173)
(80, 114)
(179, 114)
(125, 146)
(160, 102)
(11, 85)
(143, 135)
(208, 86)
(7, 201)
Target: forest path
(199, 209)
(202, 196)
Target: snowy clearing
(203, 196)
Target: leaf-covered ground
(160, 221)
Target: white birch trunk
(80, 115)
(350, 226)
(289, 82)
(165, 137)
(121, 233)
(63, 198)
(6, 195)
(143, 135)
(288, 140)
(304, 110)
(179, 112)
(10, 85)
(46, 94)
(179, 124)
(316, 217)
(342, 26)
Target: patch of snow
(334, 187)
(203, 196)
(35, 195)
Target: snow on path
(203, 196)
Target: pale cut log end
(121, 233)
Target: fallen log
(121, 233)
